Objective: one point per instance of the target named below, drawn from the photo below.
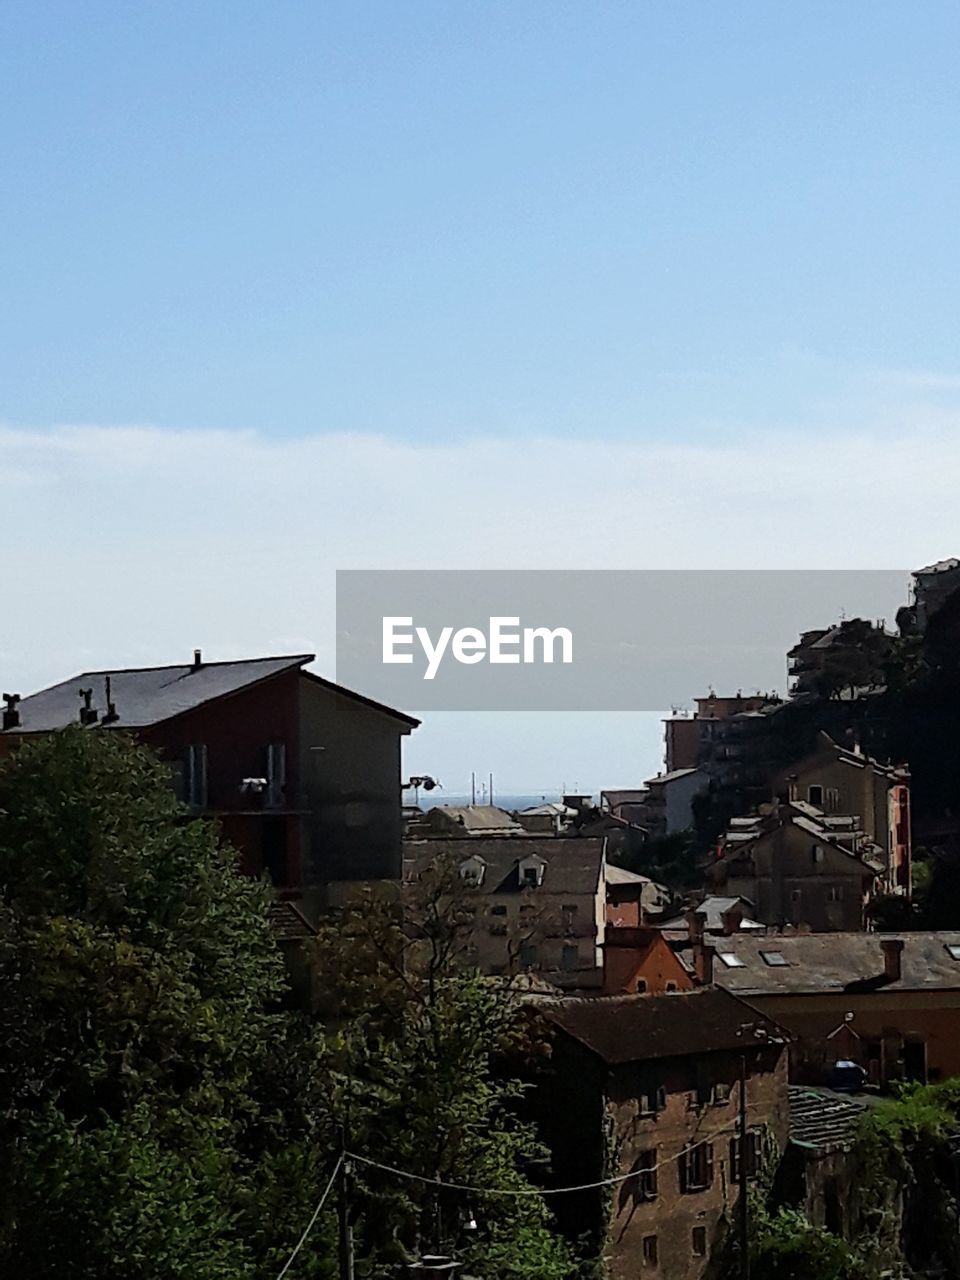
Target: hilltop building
(302, 774)
(842, 780)
(799, 866)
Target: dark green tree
(788, 1247)
(426, 1043)
(146, 1128)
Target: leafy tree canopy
(144, 1124)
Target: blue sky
(438, 219)
(295, 287)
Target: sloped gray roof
(573, 864)
(620, 875)
(147, 695)
(714, 908)
(839, 962)
(635, 795)
(482, 818)
(673, 776)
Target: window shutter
(196, 775)
(708, 1163)
(276, 772)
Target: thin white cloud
(131, 545)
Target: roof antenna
(88, 713)
(11, 712)
(110, 715)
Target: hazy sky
(291, 287)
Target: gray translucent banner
(631, 640)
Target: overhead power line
(493, 1191)
(537, 1191)
(316, 1214)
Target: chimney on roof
(892, 949)
(110, 715)
(11, 712)
(703, 952)
(88, 713)
(703, 957)
(197, 660)
(731, 919)
(696, 925)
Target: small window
(498, 921)
(730, 960)
(569, 958)
(835, 893)
(531, 873)
(641, 986)
(796, 895)
(568, 917)
(529, 956)
(653, 1098)
(775, 959)
(649, 1251)
(815, 796)
(276, 763)
(953, 951)
(195, 776)
(696, 1167)
(698, 1242)
(816, 854)
(671, 986)
(646, 1170)
(471, 872)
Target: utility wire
(316, 1214)
(536, 1191)
(493, 1191)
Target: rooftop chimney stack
(11, 712)
(703, 952)
(703, 957)
(892, 949)
(696, 925)
(197, 660)
(88, 712)
(110, 715)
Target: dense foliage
(909, 1153)
(424, 1042)
(163, 1112)
(787, 1247)
(145, 1130)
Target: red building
(302, 774)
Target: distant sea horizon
(510, 800)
